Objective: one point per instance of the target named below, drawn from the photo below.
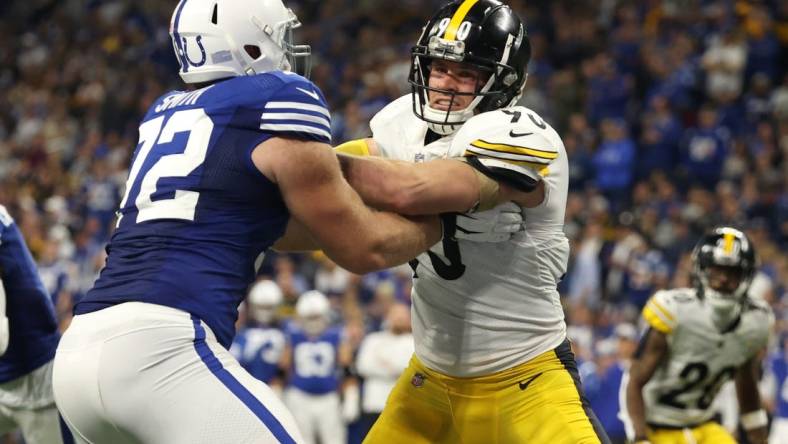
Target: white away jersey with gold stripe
(700, 357)
(479, 308)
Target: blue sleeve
(297, 109)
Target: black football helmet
(485, 34)
(731, 251)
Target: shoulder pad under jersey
(512, 145)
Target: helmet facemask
(724, 266)
(726, 303)
(501, 89)
(277, 43)
(299, 57)
(485, 35)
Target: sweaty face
(724, 279)
(453, 77)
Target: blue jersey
(259, 350)
(314, 369)
(197, 213)
(30, 313)
(778, 366)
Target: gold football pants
(707, 433)
(537, 402)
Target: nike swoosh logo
(524, 385)
(312, 94)
(513, 134)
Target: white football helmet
(313, 310)
(215, 40)
(263, 300)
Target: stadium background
(674, 114)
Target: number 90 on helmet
(484, 34)
(215, 40)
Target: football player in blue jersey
(28, 338)
(315, 355)
(219, 173)
(259, 345)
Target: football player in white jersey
(492, 363)
(697, 339)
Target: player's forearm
(636, 409)
(753, 417)
(426, 188)
(397, 239)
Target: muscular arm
(653, 349)
(355, 237)
(437, 186)
(749, 397)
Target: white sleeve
(4, 333)
(513, 150)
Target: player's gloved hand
(495, 225)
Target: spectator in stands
(381, 359)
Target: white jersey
(700, 358)
(479, 308)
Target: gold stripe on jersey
(727, 245)
(515, 149)
(456, 20)
(662, 310)
(540, 169)
(655, 321)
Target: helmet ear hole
(253, 51)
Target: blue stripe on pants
(236, 387)
(65, 432)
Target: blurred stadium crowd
(674, 114)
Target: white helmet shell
(313, 303)
(215, 40)
(313, 310)
(263, 300)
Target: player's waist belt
(655, 425)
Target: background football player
(28, 338)
(697, 339)
(487, 321)
(315, 355)
(259, 345)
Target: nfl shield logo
(417, 380)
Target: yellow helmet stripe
(456, 20)
(727, 245)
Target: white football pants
(318, 416)
(27, 403)
(149, 374)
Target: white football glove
(495, 225)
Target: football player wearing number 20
(219, 173)
(698, 339)
(492, 362)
